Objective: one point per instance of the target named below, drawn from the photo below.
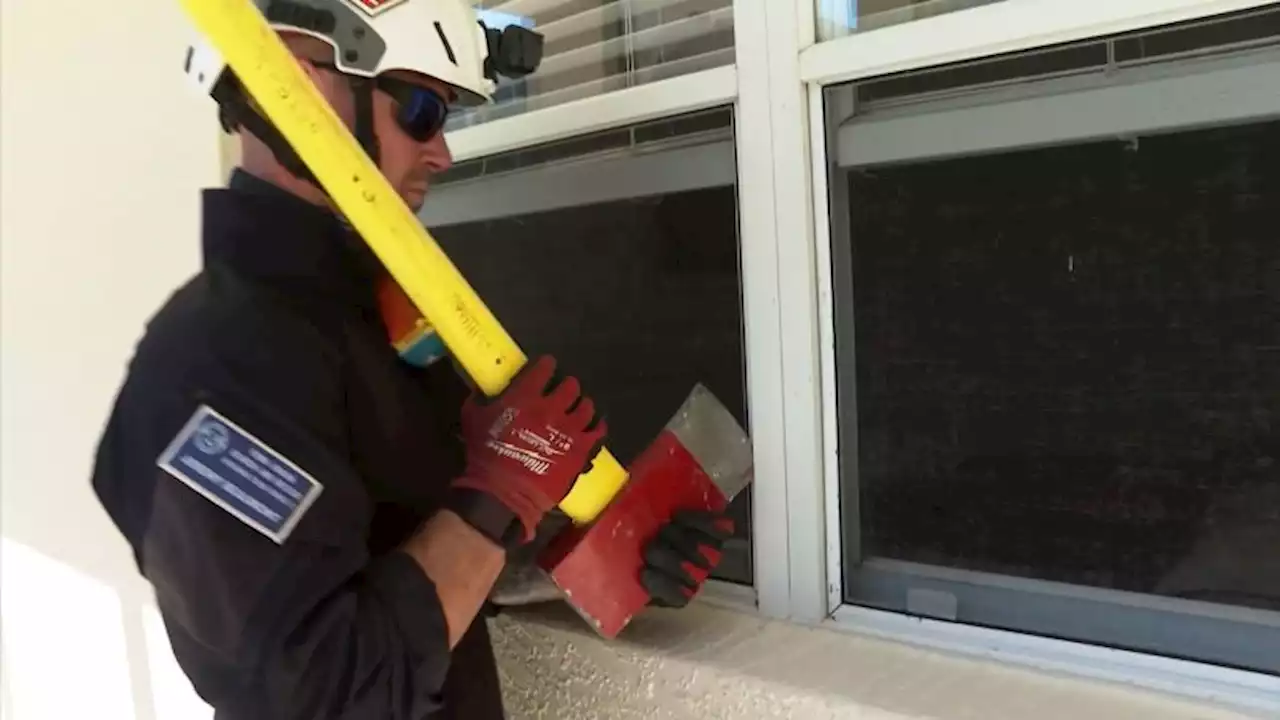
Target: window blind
(595, 47)
(838, 18)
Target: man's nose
(436, 154)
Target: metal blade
(707, 429)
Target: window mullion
(780, 287)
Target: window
(1058, 341)
(837, 18)
(618, 253)
(923, 364)
(594, 47)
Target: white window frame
(776, 89)
(652, 101)
(993, 29)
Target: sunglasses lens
(422, 114)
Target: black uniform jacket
(283, 594)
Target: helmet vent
(444, 40)
(303, 16)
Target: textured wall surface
(710, 663)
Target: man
(322, 521)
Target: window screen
(638, 295)
(594, 47)
(1067, 370)
(1058, 341)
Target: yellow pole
(272, 76)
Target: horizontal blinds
(838, 18)
(586, 182)
(600, 46)
(689, 152)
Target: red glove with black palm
(681, 556)
(525, 449)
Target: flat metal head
(710, 433)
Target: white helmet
(442, 39)
(438, 38)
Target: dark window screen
(638, 298)
(1068, 364)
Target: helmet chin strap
(235, 112)
(362, 90)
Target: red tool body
(598, 567)
(700, 461)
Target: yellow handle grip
(271, 75)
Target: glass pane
(837, 18)
(1094, 356)
(640, 298)
(599, 46)
(1065, 363)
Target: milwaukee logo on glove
(537, 452)
(528, 446)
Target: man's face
(408, 164)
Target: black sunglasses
(420, 111)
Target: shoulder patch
(240, 474)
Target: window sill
(711, 661)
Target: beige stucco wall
(712, 663)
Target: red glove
(526, 447)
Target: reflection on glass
(837, 18)
(594, 47)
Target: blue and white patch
(240, 474)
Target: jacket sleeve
(310, 622)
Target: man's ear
(332, 86)
(313, 72)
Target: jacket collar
(260, 230)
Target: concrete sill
(709, 662)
